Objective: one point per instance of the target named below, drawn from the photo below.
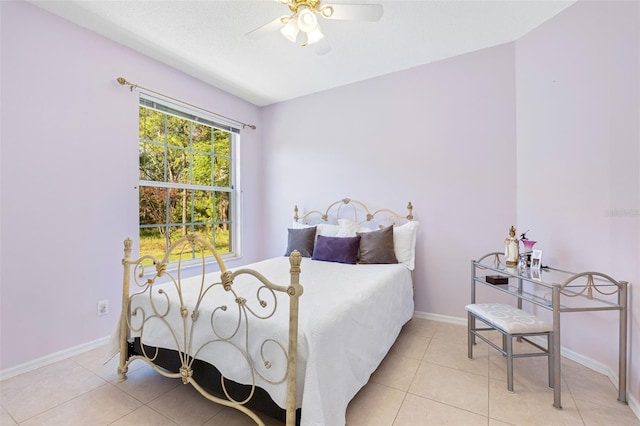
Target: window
(186, 172)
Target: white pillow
(404, 243)
(325, 229)
(299, 225)
(348, 228)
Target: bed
(296, 336)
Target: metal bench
(511, 322)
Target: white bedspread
(350, 315)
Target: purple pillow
(337, 249)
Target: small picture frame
(536, 259)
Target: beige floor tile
(144, 416)
(109, 371)
(494, 422)
(594, 414)
(530, 407)
(374, 405)
(421, 326)
(410, 344)
(460, 389)
(451, 332)
(6, 419)
(416, 410)
(588, 385)
(185, 406)
(32, 393)
(451, 353)
(232, 417)
(101, 406)
(396, 372)
(92, 359)
(146, 384)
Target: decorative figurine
(511, 248)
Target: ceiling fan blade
(322, 46)
(265, 29)
(355, 12)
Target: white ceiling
(206, 39)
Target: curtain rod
(123, 81)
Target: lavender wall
(440, 135)
(444, 136)
(69, 176)
(578, 119)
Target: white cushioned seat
(509, 319)
(511, 322)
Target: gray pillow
(377, 246)
(337, 249)
(301, 239)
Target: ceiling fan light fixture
(307, 20)
(303, 17)
(326, 11)
(314, 35)
(290, 30)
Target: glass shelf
(578, 291)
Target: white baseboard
(53, 358)
(440, 318)
(597, 366)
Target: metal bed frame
(183, 363)
(189, 315)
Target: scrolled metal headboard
(359, 213)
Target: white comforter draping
(349, 317)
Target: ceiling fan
(304, 18)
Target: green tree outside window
(186, 182)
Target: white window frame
(202, 117)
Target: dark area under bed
(208, 377)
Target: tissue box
(497, 279)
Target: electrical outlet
(103, 307)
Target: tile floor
(426, 379)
